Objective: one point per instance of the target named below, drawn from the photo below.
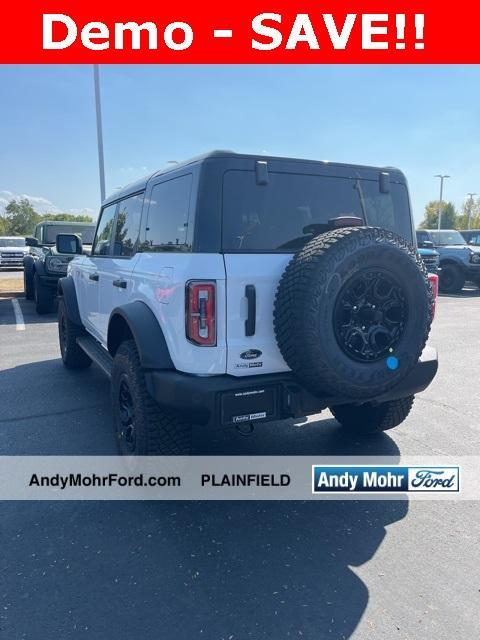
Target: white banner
(239, 478)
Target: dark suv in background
(44, 265)
(459, 261)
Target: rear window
(273, 217)
(51, 232)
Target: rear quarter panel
(159, 281)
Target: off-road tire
(368, 418)
(158, 431)
(28, 285)
(43, 296)
(73, 357)
(452, 279)
(305, 307)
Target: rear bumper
(216, 401)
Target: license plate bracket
(250, 405)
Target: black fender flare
(66, 289)
(146, 331)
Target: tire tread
(163, 432)
(370, 418)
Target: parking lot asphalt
(233, 570)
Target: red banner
(254, 31)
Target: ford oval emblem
(251, 354)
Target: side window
(103, 237)
(167, 224)
(128, 226)
(422, 236)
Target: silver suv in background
(12, 251)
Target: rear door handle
(122, 284)
(93, 276)
(251, 296)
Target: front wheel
(28, 282)
(143, 428)
(73, 357)
(452, 279)
(43, 296)
(370, 418)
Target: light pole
(440, 203)
(98, 109)
(470, 208)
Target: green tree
(20, 218)
(449, 216)
(470, 208)
(70, 217)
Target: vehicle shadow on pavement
(178, 570)
(220, 569)
(323, 436)
(185, 570)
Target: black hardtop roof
(140, 184)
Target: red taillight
(433, 279)
(200, 313)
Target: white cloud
(41, 204)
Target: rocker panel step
(97, 353)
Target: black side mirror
(30, 241)
(69, 243)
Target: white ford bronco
(235, 290)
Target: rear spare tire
(353, 311)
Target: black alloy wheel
(370, 315)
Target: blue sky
(423, 119)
